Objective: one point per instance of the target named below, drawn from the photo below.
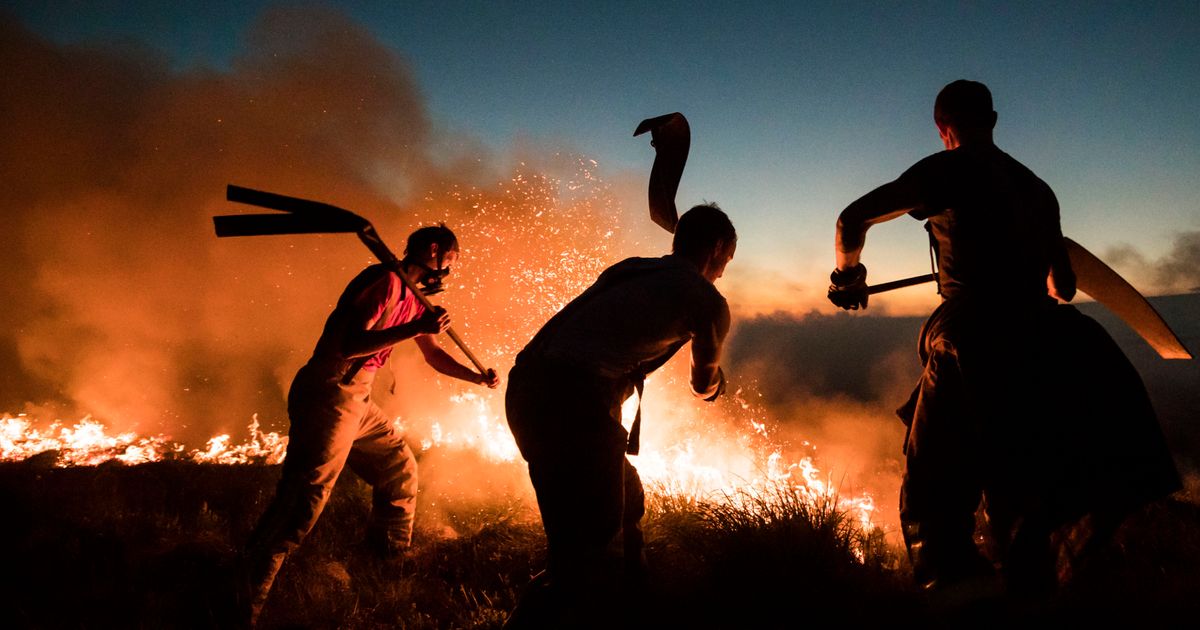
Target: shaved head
(964, 105)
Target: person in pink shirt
(334, 422)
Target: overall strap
(933, 256)
(635, 432)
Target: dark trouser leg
(318, 445)
(382, 458)
(631, 524)
(942, 486)
(581, 499)
(567, 427)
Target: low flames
(721, 462)
(87, 443)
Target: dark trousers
(333, 424)
(1036, 412)
(567, 426)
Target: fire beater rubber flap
(266, 224)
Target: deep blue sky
(796, 108)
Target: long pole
(900, 284)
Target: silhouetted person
(334, 423)
(1024, 403)
(564, 408)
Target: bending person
(564, 408)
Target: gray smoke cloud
(120, 302)
(835, 381)
(1181, 266)
(1177, 271)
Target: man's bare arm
(440, 360)
(885, 203)
(361, 342)
(1061, 281)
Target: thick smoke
(835, 381)
(1177, 271)
(1181, 266)
(123, 304)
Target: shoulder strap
(933, 256)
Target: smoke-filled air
(122, 304)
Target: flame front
(723, 462)
(87, 443)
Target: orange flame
(87, 443)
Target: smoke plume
(1177, 271)
(122, 302)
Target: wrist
(853, 274)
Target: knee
(399, 476)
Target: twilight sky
(796, 108)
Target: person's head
(963, 113)
(432, 249)
(705, 236)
